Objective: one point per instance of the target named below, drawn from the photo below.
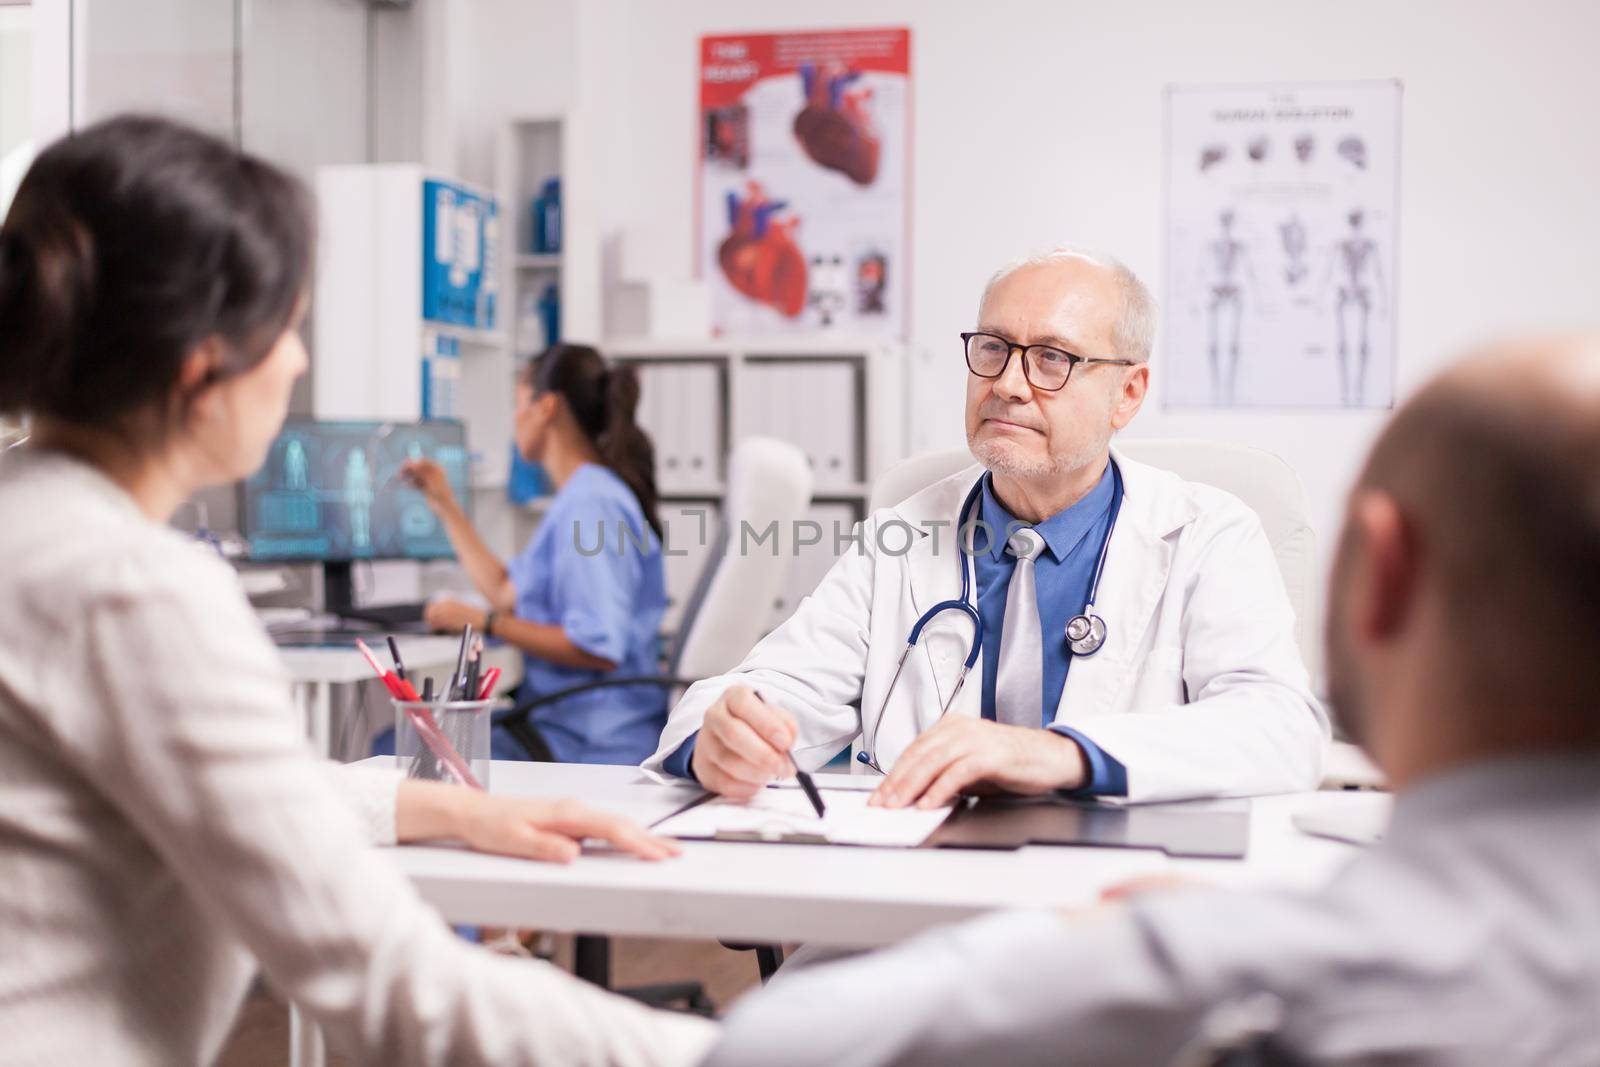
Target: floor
(261, 1036)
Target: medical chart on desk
(785, 815)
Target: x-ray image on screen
(332, 491)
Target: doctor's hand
(744, 744)
(976, 755)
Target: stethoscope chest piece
(1086, 634)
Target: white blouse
(163, 830)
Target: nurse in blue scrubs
(584, 599)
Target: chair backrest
(1263, 481)
(769, 482)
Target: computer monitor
(331, 492)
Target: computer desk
(314, 672)
(828, 895)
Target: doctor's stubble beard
(1001, 457)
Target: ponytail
(603, 403)
(46, 280)
(626, 448)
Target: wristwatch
(488, 623)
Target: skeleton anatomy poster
(803, 157)
(1282, 238)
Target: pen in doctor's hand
(810, 787)
(803, 777)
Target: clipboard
(1194, 829)
(785, 817)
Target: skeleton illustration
(1224, 266)
(1292, 232)
(1358, 270)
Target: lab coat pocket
(1160, 680)
(947, 643)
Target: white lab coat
(1199, 690)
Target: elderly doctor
(1128, 633)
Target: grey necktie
(1019, 682)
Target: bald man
(1462, 634)
(1127, 633)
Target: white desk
(827, 895)
(315, 671)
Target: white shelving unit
(840, 401)
(531, 150)
(371, 330)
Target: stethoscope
(1085, 632)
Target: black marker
(474, 665)
(459, 678)
(394, 650)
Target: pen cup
(444, 740)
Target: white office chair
(1263, 481)
(769, 482)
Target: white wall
(303, 83)
(16, 99)
(1500, 225)
(515, 59)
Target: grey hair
(1134, 332)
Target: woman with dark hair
(160, 824)
(584, 599)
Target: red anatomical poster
(804, 166)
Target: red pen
(486, 690)
(423, 720)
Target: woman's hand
(551, 830)
(449, 616)
(428, 478)
(528, 827)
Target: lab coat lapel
(1137, 564)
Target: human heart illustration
(835, 127)
(760, 257)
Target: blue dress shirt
(1063, 575)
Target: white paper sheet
(784, 814)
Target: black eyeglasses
(1044, 367)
